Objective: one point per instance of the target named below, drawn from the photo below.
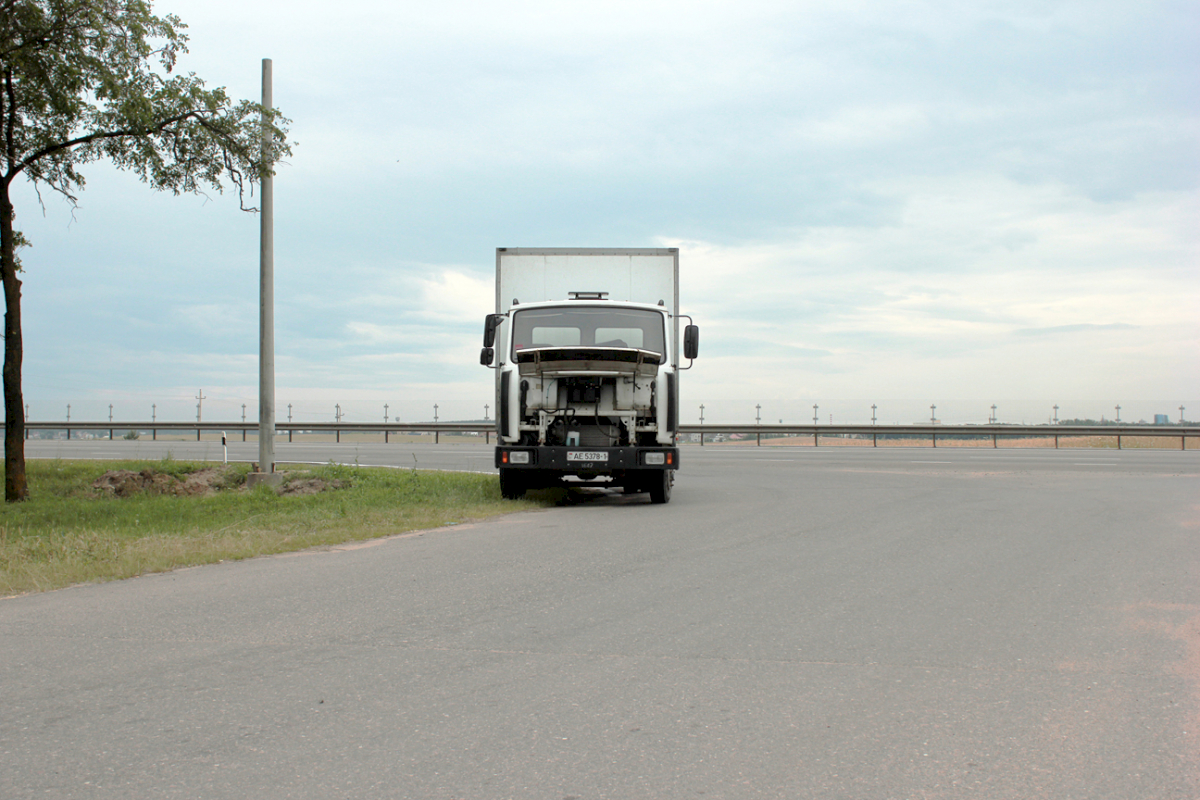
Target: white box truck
(586, 344)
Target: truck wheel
(660, 487)
(512, 484)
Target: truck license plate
(586, 455)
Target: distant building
(1161, 419)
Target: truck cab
(587, 390)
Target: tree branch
(102, 135)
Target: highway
(478, 457)
(796, 623)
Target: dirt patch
(126, 482)
(310, 484)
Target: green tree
(92, 80)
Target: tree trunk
(15, 485)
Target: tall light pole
(266, 293)
(1056, 413)
(1118, 412)
(814, 413)
(933, 415)
(872, 413)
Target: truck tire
(512, 484)
(660, 487)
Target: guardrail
(290, 428)
(946, 431)
(874, 432)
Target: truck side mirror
(691, 341)
(489, 329)
(486, 356)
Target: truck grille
(599, 436)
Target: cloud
(871, 198)
(456, 296)
(942, 300)
(1081, 328)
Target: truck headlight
(654, 459)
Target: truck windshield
(588, 327)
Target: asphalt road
(794, 624)
(478, 457)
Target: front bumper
(565, 460)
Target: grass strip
(70, 532)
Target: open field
(70, 532)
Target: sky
(898, 204)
